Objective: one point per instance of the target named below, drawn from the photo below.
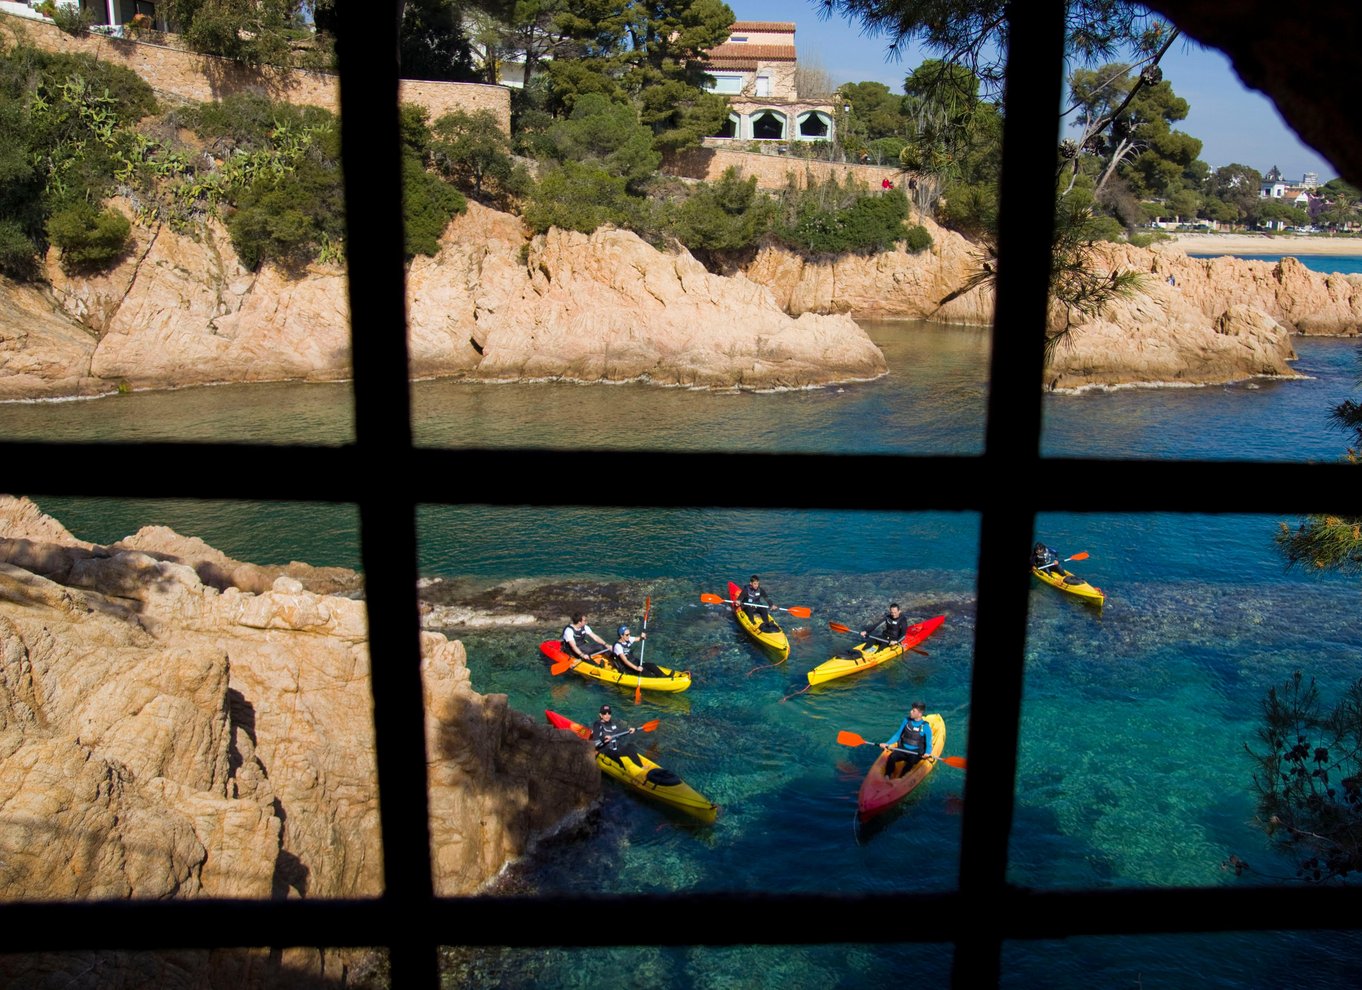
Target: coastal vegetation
(611, 92)
(1309, 779)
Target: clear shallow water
(1132, 766)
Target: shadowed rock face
(164, 737)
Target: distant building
(756, 69)
(1274, 186)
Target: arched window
(814, 125)
(730, 127)
(768, 126)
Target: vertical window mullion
(1011, 451)
(371, 160)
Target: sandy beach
(1237, 244)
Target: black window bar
(407, 918)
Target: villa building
(756, 68)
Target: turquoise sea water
(1132, 767)
(1342, 263)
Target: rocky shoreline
(498, 305)
(177, 723)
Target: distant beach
(1274, 244)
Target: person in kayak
(910, 744)
(608, 735)
(575, 636)
(621, 657)
(756, 603)
(895, 625)
(1043, 558)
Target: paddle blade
(838, 627)
(800, 611)
(709, 599)
(650, 726)
(954, 761)
(638, 692)
(1081, 555)
(560, 667)
(850, 739)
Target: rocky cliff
(497, 304)
(493, 304)
(166, 731)
(1217, 320)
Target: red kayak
(880, 793)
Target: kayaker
(910, 743)
(575, 636)
(1043, 558)
(608, 735)
(895, 625)
(752, 600)
(619, 653)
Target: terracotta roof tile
(763, 26)
(769, 53)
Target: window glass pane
(749, 731)
(1258, 419)
(202, 716)
(932, 401)
(1132, 764)
(795, 967)
(287, 412)
(1323, 960)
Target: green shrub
(727, 215)
(428, 204)
(18, 253)
(74, 21)
(580, 196)
(1145, 238)
(89, 238)
(289, 219)
(917, 239)
(829, 218)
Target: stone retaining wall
(188, 76)
(773, 171)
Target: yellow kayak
(860, 657)
(646, 777)
(666, 680)
(766, 631)
(1057, 577)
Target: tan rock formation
(494, 304)
(163, 737)
(607, 307)
(886, 285)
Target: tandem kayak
(863, 656)
(880, 793)
(665, 680)
(646, 777)
(765, 631)
(1057, 577)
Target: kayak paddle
(838, 627)
(852, 739)
(567, 663)
(798, 611)
(638, 688)
(645, 727)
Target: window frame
(986, 910)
